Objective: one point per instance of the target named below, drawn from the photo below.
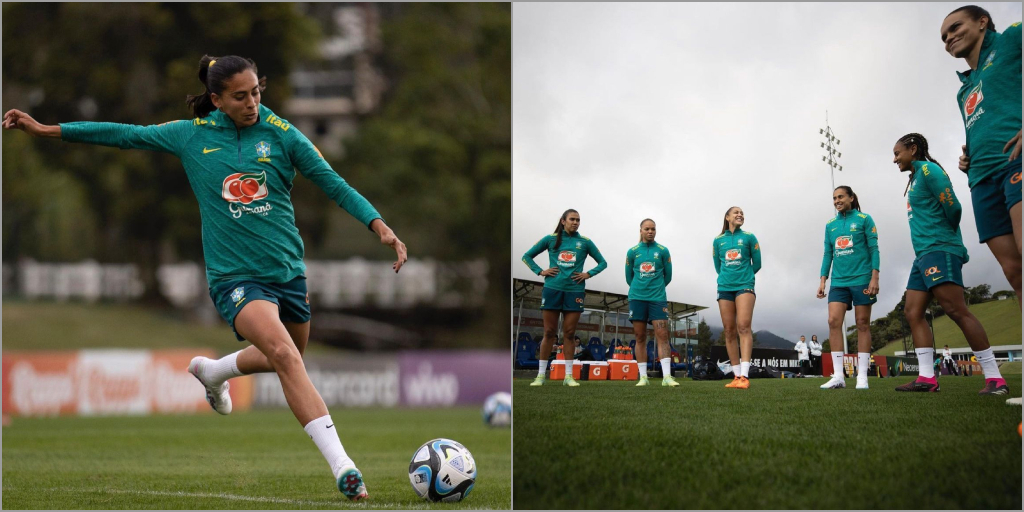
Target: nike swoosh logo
(205, 151)
(331, 425)
(937, 278)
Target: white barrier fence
(334, 284)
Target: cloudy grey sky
(679, 111)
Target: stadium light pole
(831, 158)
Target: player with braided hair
(934, 214)
(990, 105)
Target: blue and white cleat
(350, 483)
(217, 396)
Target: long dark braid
(916, 139)
(559, 228)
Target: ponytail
(856, 200)
(559, 228)
(214, 72)
(725, 222)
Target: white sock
(987, 360)
(216, 371)
(568, 368)
(837, 365)
(735, 370)
(542, 367)
(643, 369)
(325, 435)
(863, 364)
(666, 367)
(745, 368)
(925, 359)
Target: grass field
(782, 444)
(1001, 319)
(72, 326)
(257, 460)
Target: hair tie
(211, 63)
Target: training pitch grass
(782, 444)
(255, 460)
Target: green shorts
(291, 298)
(851, 296)
(935, 268)
(561, 301)
(992, 199)
(647, 310)
(731, 295)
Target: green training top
(242, 179)
(851, 249)
(737, 258)
(934, 212)
(648, 271)
(990, 102)
(568, 258)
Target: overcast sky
(679, 111)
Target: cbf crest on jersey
(238, 294)
(263, 150)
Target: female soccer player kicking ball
(648, 272)
(737, 258)
(240, 158)
(564, 290)
(934, 214)
(990, 105)
(851, 251)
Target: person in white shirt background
(801, 354)
(815, 349)
(948, 362)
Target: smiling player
(851, 251)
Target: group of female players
(991, 159)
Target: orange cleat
(734, 384)
(743, 384)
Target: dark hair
(916, 139)
(976, 13)
(642, 226)
(559, 228)
(856, 200)
(214, 72)
(725, 222)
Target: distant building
(329, 96)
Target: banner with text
(108, 382)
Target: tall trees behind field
(435, 157)
(126, 63)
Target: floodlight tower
(831, 158)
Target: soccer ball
(498, 410)
(442, 470)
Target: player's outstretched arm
(388, 238)
(15, 119)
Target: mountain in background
(765, 339)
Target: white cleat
(834, 383)
(862, 383)
(351, 484)
(217, 396)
